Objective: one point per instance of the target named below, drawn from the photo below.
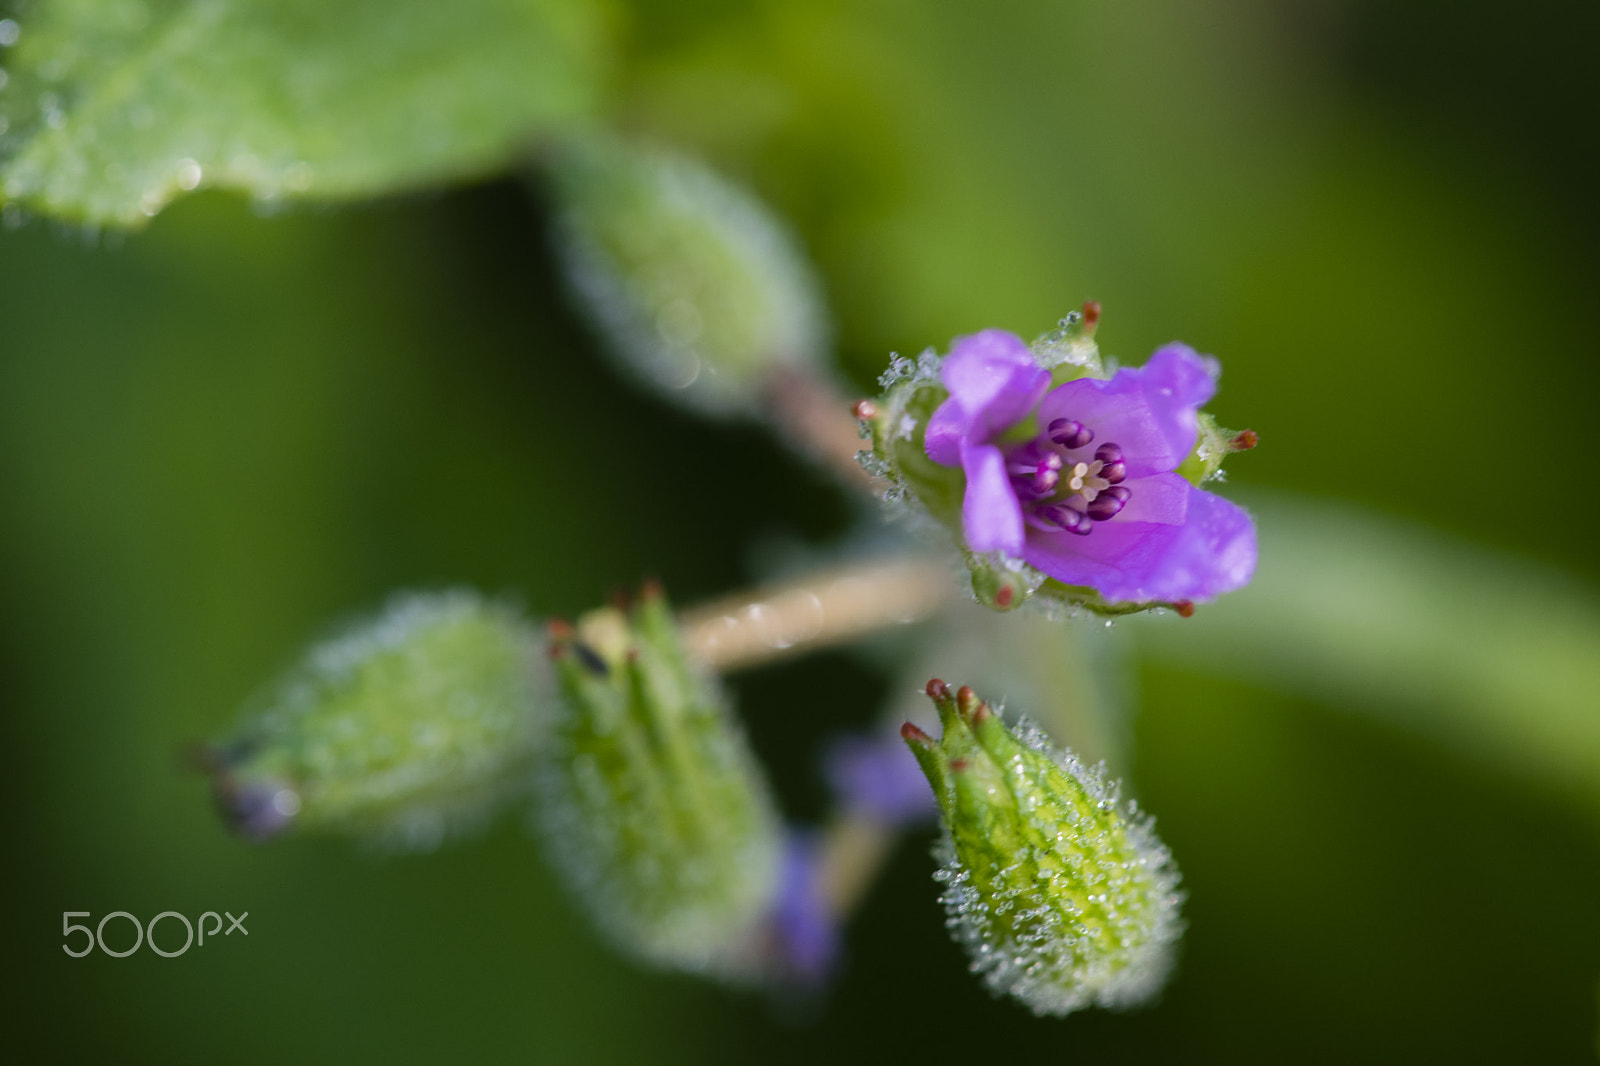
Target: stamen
(1067, 518)
(1070, 433)
(1046, 476)
(1109, 502)
(1112, 468)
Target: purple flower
(875, 776)
(1080, 482)
(803, 931)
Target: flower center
(1062, 487)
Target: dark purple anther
(1109, 502)
(1112, 468)
(1046, 474)
(1070, 433)
(1069, 519)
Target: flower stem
(815, 416)
(822, 609)
(854, 849)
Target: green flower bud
(689, 279)
(654, 807)
(1062, 898)
(404, 726)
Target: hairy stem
(854, 849)
(819, 610)
(815, 417)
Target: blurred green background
(220, 433)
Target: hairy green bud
(1063, 896)
(654, 807)
(691, 281)
(403, 726)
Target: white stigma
(1085, 478)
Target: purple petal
(991, 516)
(805, 936)
(1162, 498)
(1149, 411)
(1211, 552)
(946, 430)
(993, 379)
(879, 777)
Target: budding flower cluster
(403, 726)
(653, 806)
(1063, 897)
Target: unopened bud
(404, 727)
(1062, 896)
(690, 281)
(654, 807)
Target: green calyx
(1063, 897)
(1069, 351)
(404, 727)
(1212, 445)
(654, 807)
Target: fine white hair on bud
(652, 804)
(404, 727)
(693, 283)
(1061, 894)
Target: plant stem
(819, 610)
(815, 417)
(854, 849)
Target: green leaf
(111, 108)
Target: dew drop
(189, 175)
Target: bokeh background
(220, 433)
